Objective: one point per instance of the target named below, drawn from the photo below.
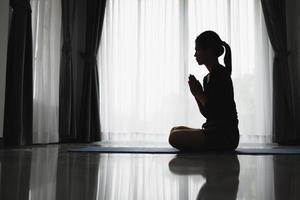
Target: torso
(218, 89)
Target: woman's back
(218, 89)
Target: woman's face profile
(200, 55)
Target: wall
(4, 13)
(293, 35)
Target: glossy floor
(50, 172)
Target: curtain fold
(67, 110)
(43, 173)
(46, 25)
(77, 177)
(18, 95)
(15, 178)
(89, 112)
(283, 97)
(286, 178)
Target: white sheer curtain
(46, 22)
(144, 177)
(43, 173)
(146, 55)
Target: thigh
(187, 139)
(180, 128)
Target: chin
(199, 62)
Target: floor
(45, 172)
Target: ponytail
(227, 57)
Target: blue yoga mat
(170, 150)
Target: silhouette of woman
(220, 183)
(215, 100)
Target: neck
(212, 64)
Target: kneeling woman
(215, 101)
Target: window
(146, 55)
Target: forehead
(198, 48)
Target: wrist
(199, 96)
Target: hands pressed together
(196, 89)
(195, 86)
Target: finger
(193, 80)
(191, 76)
(198, 82)
(192, 85)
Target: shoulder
(220, 70)
(220, 73)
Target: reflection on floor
(50, 172)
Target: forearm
(201, 107)
(201, 100)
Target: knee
(173, 139)
(178, 128)
(174, 128)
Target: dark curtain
(15, 175)
(286, 177)
(67, 110)
(77, 178)
(283, 98)
(89, 112)
(17, 128)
